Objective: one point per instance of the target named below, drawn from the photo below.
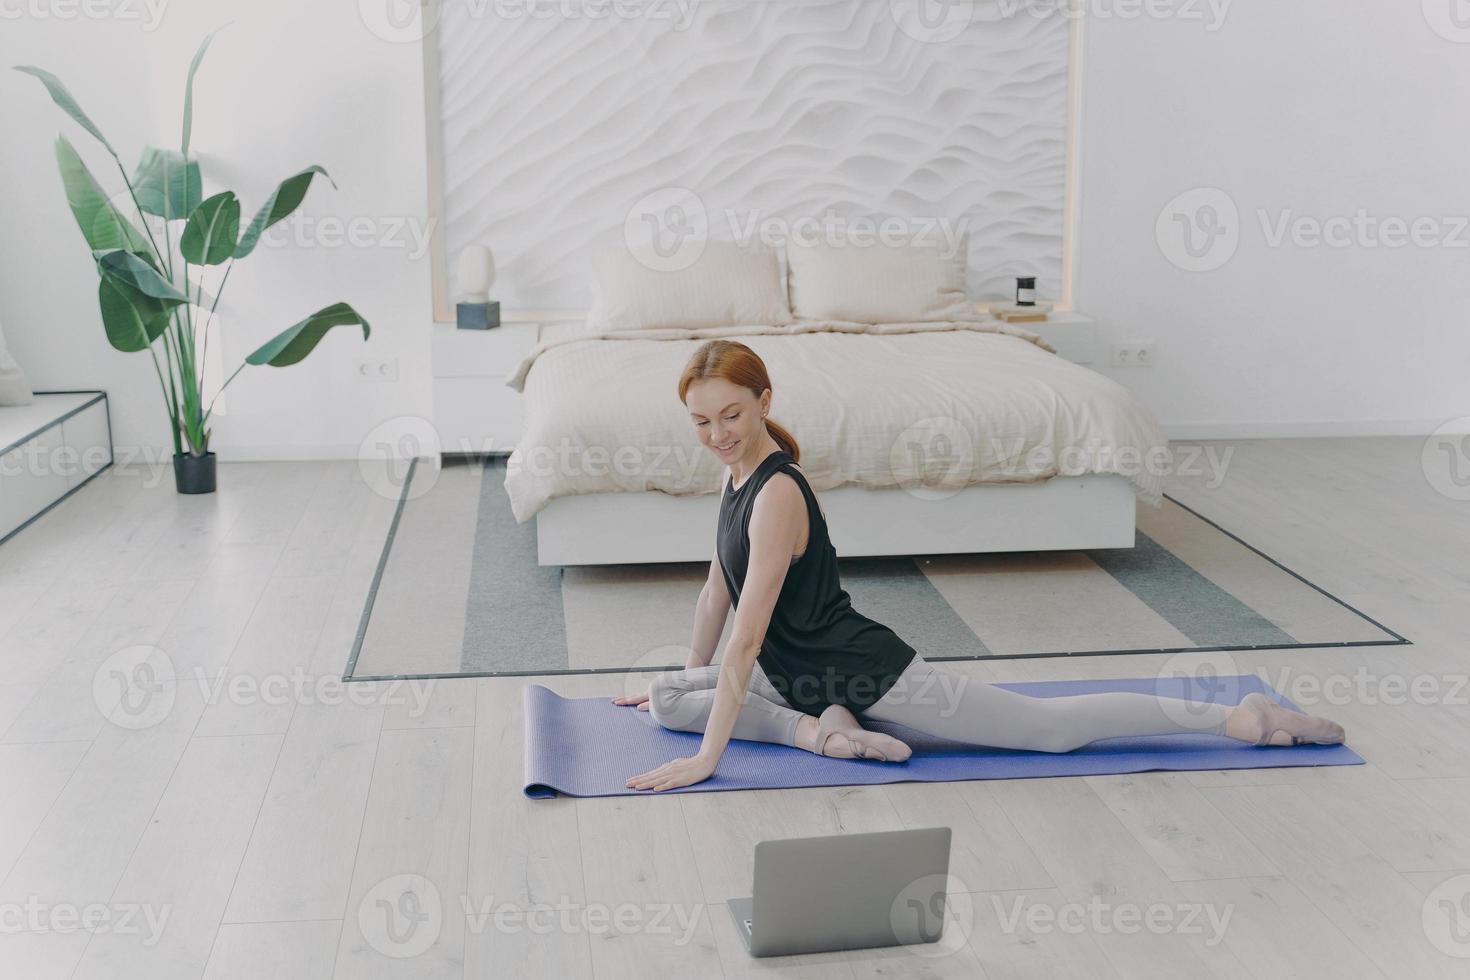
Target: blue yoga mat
(590, 746)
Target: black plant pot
(194, 474)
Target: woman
(801, 663)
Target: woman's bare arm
(776, 523)
(710, 613)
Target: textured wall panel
(558, 123)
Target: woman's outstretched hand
(641, 700)
(679, 772)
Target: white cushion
(727, 285)
(14, 388)
(879, 283)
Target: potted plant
(148, 295)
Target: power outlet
(374, 370)
(1135, 354)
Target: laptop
(849, 891)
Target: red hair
(740, 366)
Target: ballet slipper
(863, 744)
(1278, 719)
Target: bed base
(1063, 513)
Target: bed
(919, 438)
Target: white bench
(48, 450)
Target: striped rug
(458, 593)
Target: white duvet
(931, 407)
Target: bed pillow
(14, 389)
(726, 286)
(879, 283)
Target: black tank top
(818, 650)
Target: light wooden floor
(269, 826)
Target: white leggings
(944, 704)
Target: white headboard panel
(561, 118)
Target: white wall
(1311, 106)
(1322, 108)
(283, 86)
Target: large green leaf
(294, 343)
(102, 225)
(166, 184)
(189, 91)
(132, 319)
(209, 237)
(133, 271)
(63, 98)
(286, 198)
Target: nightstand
(1072, 334)
(475, 411)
